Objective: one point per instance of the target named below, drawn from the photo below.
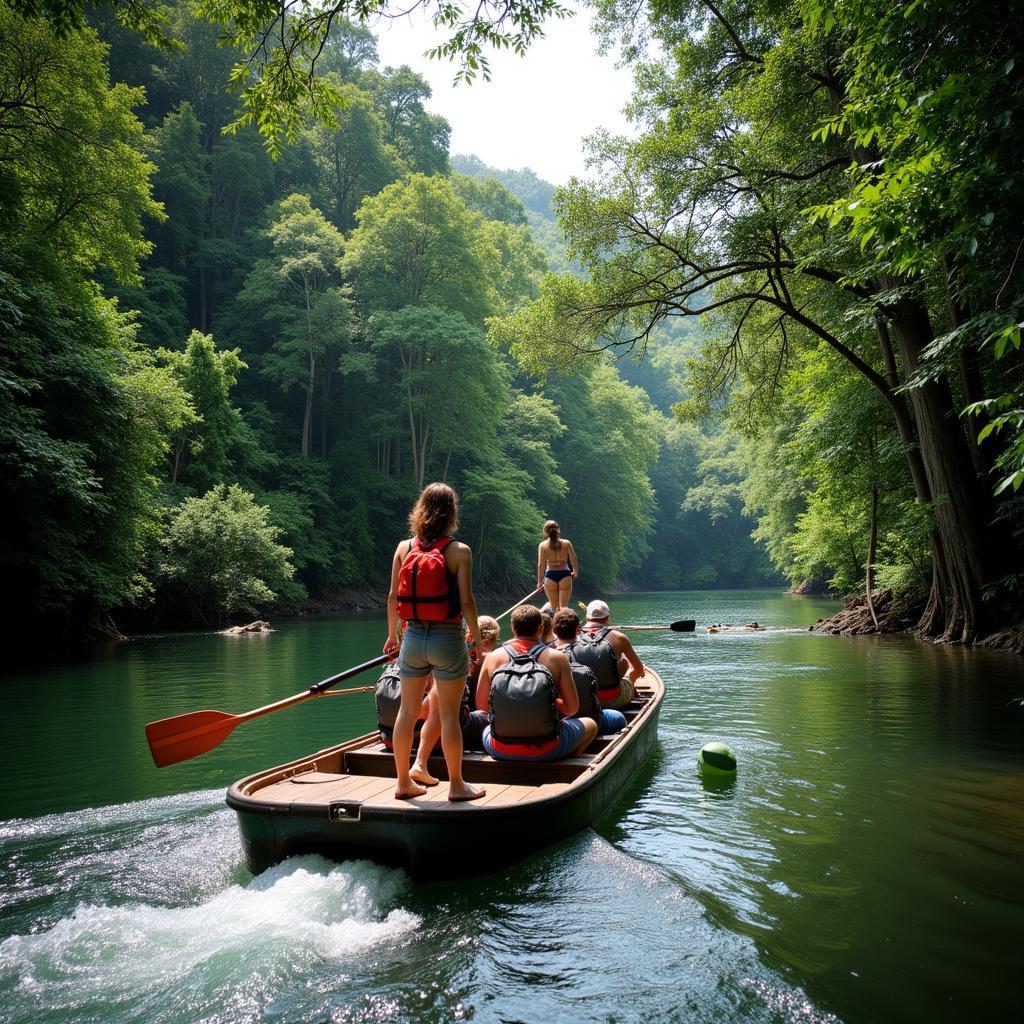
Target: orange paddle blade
(177, 739)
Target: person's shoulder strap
(537, 649)
(603, 632)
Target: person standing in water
(557, 566)
(431, 591)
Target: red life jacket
(427, 591)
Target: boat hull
(432, 841)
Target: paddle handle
(509, 611)
(316, 690)
(326, 684)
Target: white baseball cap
(597, 610)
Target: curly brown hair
(436, 512)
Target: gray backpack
(389, 700)
(522, 698)
(594, 651)
(586, 685)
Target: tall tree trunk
(307, 418)
(869, 569)
(178, 449)
(932, 620)
(962, 509)
(415, 444)
(970, 372)
(325, 395)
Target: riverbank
(900, 614)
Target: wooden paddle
(184, 736)
(177, 739)
(679, 626)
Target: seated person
(471, 721)
(566, 628)
(547, 634)
(389, 699)
(526, 686)
(610, 654)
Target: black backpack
(586, 685)
(389, 700)
(594, 651)
(522, 698)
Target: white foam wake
(240, 946)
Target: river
(866, 865)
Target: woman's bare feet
(418, 773)
(465, 792)
(410, 791)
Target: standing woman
(555, 572)
(431, 590)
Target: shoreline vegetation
(242, 328)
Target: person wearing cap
(627, 664)
(566, 628)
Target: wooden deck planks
(437, 799)
(374, 790)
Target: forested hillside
(225, 376)
(831, 189)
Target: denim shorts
(438, 647)
(611, 722)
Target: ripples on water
(142, 912)
(865, 864)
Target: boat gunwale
(589, 774)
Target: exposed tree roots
(903, 614)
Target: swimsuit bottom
(556, 575)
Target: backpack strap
(440, 544)
(512, 653)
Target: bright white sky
(536, 110)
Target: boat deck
(362, 773)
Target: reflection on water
(864, 865)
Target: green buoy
(716, 759)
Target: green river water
(867, 864)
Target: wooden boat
(340, 802)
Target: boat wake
(143, 912)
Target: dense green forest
(228, 367)
(250, 303)
(831, 189)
